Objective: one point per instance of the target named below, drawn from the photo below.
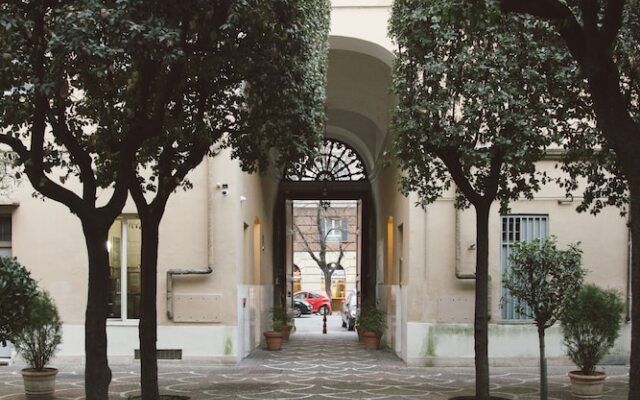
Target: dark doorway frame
(359, 190)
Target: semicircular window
(334, 161)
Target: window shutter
(344, 228)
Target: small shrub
(40, 337)
(544, 279)
(372, 319)
(591, 324)
(279, 318)
(278, 326)
(17, 290)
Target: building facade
(233, 232)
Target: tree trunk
(97, 371)
(147, 331)
(544, 389)
(327, 282)
(481, 320)
(634, 372)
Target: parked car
(318, 299)
(350, 310)
(301, 307)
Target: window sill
(516, 322)
(125, 322)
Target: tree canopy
(603, 37)
(478, 106)
(477, 98)
(123, 94)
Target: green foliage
(280, 316)
(17, 291)
(372, 319)
(278, 325)
(39, 339)
(478, 98)
(591, 324)
(285, 82)
(254, 83)
(543, 278)
(109, 75)
(589, 152)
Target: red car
(320, 302)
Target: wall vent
(163, 354)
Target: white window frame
(124, 276)
(537, 228)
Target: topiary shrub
(591, 325)
(544, 279)
(17, 290)
(39, 338)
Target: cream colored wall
(366, 20)
(392, 296)
(260, 192)
(441, 307)
(603, 239)
(201, 227)
(48, 241)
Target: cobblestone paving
(316, 366)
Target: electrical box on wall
(456, 309)
(197, 308)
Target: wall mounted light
(566, 201)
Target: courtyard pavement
(316, 366)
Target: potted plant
(544, 279)
(590, 325)
(17, 290)
(37, 342)
(281, 314)
(275, 336)
(372, 322)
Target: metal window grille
(517, 228)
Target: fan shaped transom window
(334, 161)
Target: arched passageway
(337, 176)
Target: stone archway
(336, 173)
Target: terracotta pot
(585, 386)
(371, 340)
(39, 383)
(274, 340)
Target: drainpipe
(629, 254)
(170, 274)
(459, 274)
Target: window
(5, 235)
(517, 228)
(334, 161)
(334, 229)
(124, 245)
